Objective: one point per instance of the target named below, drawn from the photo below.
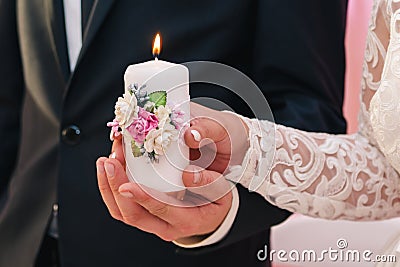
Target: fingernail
(113, 155)
(181, 195)
(196, 135)
(109, 169)
(196, 170)
(196, 177)
(126, 194)
(100, 168)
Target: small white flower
(149, 106)
(126, 108)
(159, 139)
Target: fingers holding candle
(136, 205)
(208, 139)
(209, 184)
(105, 190)
(226, 130)
(117, 150)
(203, 131)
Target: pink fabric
(357, 24)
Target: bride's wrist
(239, 136)
(245, 139)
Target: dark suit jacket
(293, 50)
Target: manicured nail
(196, 177)
(196, 170)
(126, 194)
(109, 169)
(181, 195)
(113, 155)
(196, 135)
(100, 168)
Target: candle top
(143, 71)
(152, 64)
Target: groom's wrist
(216, 236)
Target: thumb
(209, 184)
(203, 131)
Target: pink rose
(140, 126)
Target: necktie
(58, 29)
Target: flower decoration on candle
(152, 123)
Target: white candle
(166, 174)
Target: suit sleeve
(299, 64)
(11, 93)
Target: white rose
(125, 106)
(163, 115)
(159, 139)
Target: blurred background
(304, 233)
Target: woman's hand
(216, 139)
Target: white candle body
(166, 174)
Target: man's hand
(158, 213)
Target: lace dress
(353, 177)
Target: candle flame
(157, 46)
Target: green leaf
(135, 149)
(159, 98)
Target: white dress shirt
(73, 29)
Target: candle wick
(155, 55)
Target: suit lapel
(55, 17)
(41, 40)
(96, 18)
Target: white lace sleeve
(323, 175)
